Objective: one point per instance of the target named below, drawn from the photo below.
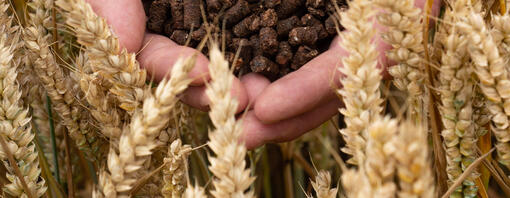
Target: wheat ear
(15, 127)
(414, 171)
(456, 88)
(139, 139)
(37, 42)
(231, 177)
(106, 115)
(501, 32)
(404, 33)
(116, 65)
(494, 80)
(322, 185)
(375, 177)
(194, 192)
(360, 90)
(174, 174)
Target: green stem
(53, 141)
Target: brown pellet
(191, 14)
(315, 3)
(228, 3)
(244, 47)
(288, 7)
(269, 18)
(263, 65)
(330, 25)
(158, 15)
(199, 34)
(284, 54)
(283, 27)
(247, 26)
(213, 5)
(302, 56)
(318, 12)
(255, 44)
(177, 12)
(268, 40)
(303, 35)
(272, 3)
(237, 12)
(309, 20)
(179, 36)
(237, 64)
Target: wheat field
(79, 117)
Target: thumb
(127, 19)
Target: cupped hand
(157, 53)
(302, 100)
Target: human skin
(275, 112)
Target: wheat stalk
(15, 127)
(404, 34)
(361, 83)
(322, 185)
(116, 65)
(494, 82)
(139, 139)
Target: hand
(302, 100)
(158, 53)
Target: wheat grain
(501, 32)
(231, 177)
(175, 172)
(361, 83)
(139, 139)
(116, 65)
(494, 82)
(14, 123)
(322, 185)
(194, 192)
(404, 34)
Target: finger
(256, 133)
(302, 90)
(196, 97)
(254, 84)
(160, 53)
(127, 17)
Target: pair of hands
(276, 112)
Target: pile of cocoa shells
(270, 37)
